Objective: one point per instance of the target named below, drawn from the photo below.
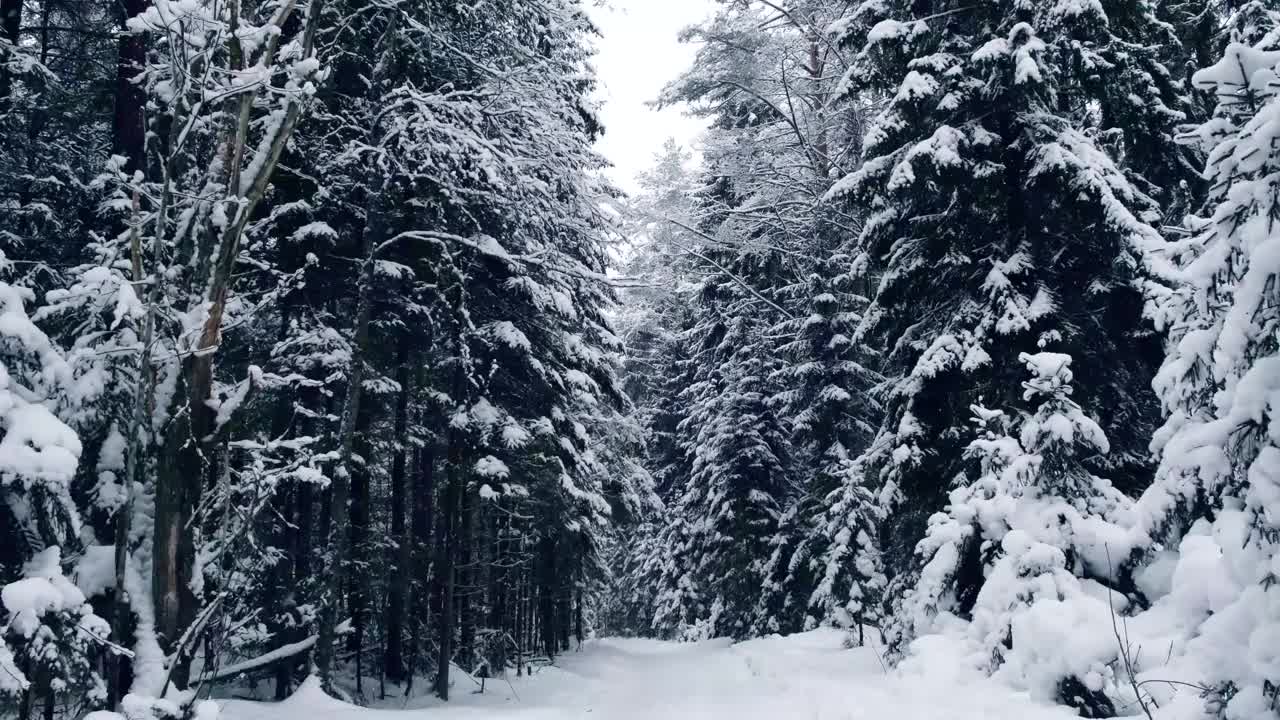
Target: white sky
(638, 54)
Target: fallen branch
(280, 653)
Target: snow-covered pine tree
(1021, 545)
(825, 567)
(38, 451)
(1216, 492)
(51, 639)
(1123, 74)
(998, 225)
(725, 514)
(1211, 262)
(766, 78)
(1204, 28)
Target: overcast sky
(638, 54)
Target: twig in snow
(1123, 643)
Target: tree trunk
(402, 568)
(423, 513)
(179, 477)
(822, 164)
(128, 132)
(340, 486)
(445, 561)
(10, 25)
(284, 603)
(467, 580)
(497, 657)
(518, 597)
(577, 616)
(546, 598)
(182, 463)
(357, 588)
(303, 532)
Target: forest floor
(808, 677)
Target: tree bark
(402, 567)
(467, 579)
(445, 562)
(423, 514)
(128, 131)
(340, 486)
(10, 25)
(179, 476)
(359, 511)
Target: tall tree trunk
(182, 465)
(357, 590)
(497, 657)
(423, 514)
(10, 26)
(518, 596)
(128, 131)
(283, 600)
(577, 615)
(445, 567)
(546, 596)
(301, 549)
(403, 575)
(467, 580)
(180, 474)
(822, 154)
(340, 486)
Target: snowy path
(807, 677)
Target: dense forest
(328, 354)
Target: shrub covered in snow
(51, 635)
(38, 452)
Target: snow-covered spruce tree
(1123, 71)
(1212, 262)
(825, 566)
(38, 452)
(761, 230)
(1215, 500)
(997, 225)
(1204, 28)
(726, 513)
(1022, 546)
(50, 639)
(99, 316)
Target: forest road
(810, 676)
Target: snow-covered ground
(806, 677)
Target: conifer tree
(1215, 492)
(726, 513)
(997, 225)
(1014, 542)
